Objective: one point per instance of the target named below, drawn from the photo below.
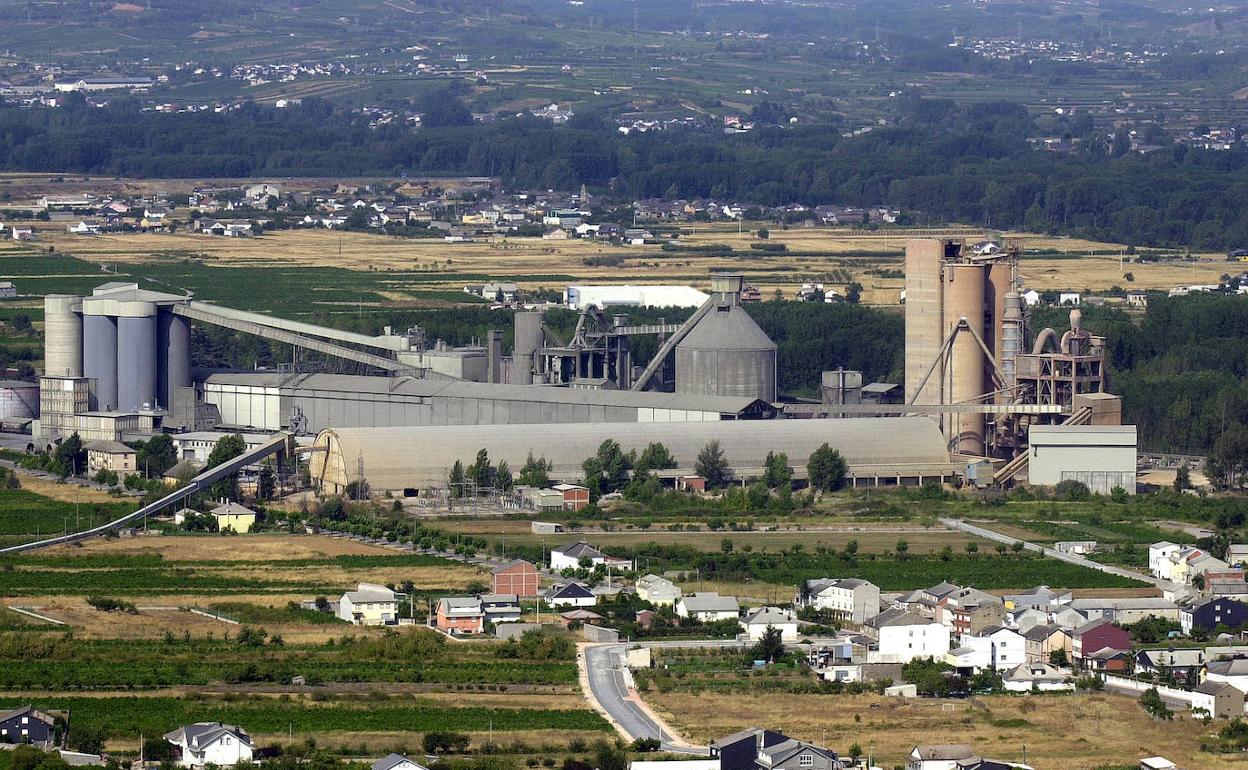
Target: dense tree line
(1181, 370)
(967, 163)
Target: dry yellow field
(1060, 732)
(259, 547)
(67, 493)
(815, 254)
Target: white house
(570, 595)
(1068, 298)
(708, 607)
(851, 599)
(211, 743)
(941, 756)
(1036, 676)
(571, 556)
(903, 636)
(1000, 648)
(369, 605)
(1159, 564)
(1233, 672)
(658, 590)
(396, 762)
(756, 622)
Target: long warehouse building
(267, 400)
(887, 450)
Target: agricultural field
(1060, 732)
(342, 271)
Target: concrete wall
(599, 634)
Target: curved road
(1109, 569)
(611, 688)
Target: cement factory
(987, 400)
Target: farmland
(1061, 732)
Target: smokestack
(494, 353)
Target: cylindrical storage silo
(136, 355)
(727, 354)
(99, 356)
(528, 333)
(173, 355)
(1011, 339)
(964, 299)
(18, 400)
(62, 335)
(1000, 283)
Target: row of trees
(954, 163)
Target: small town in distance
(623, 385)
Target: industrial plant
(987, 399)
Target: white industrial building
(577, 297)
(1101, 456)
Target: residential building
(396, 762)
(572, 556)
(757, 621)
(1042, 641)
(850, 599)
(232, 517)
(566, 619)
(1107, 659)
(968, 611)
(111, 456)
(27, 724)
(210, 743)
(8, 290)
(1038, 677)
(1184, 665)
(758, 749)
(460, 615)
(369, 605)
(1000, 648)
(1095, 636)
(925, 601)
(1237, 554)
(1159, 558)
(658, 591)
(517, 577)
(570, 595)
(1233, 672)
(1208, 615)
(903, 636)
(1219, 700)
(1126, 610)
(1039, 598)
(708, 607)
(500, 608)
(943, 756)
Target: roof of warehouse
(412, 386)
(399, 457)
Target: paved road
(1164, 585)
(611, 686)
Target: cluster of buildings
(1188, 565)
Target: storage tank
(62, 335)
(528, 341)
(136, 355)
(925, 330)
(964, 299)
(173, 352)
(18, 400)
(727, 354)
(99, 357)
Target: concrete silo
(99, 352)
(964, 302)
(528, 340)
(726, 353)
(136, 355)
(173, 355)
(62, 334)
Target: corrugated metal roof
(395, 458)
(426, 388)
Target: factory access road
(1109, 569)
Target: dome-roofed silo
(726, 353)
